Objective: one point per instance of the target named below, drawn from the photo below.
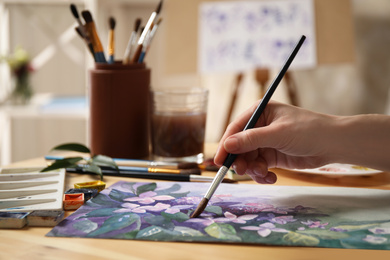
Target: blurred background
(356, 81)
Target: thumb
(250, 140)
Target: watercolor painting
(242, 35)
(237, 213)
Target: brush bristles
(87, 16)
(73, 9)
(187, 165)
(202, 205)
(112, 23)
(190, 171)
(158, 9)
(137, 24)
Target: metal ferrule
(217, 180)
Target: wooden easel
(262, 77)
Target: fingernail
(231, 144)
(270, 179)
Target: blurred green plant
(19, 64)
(91, 163)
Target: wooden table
(31, 243)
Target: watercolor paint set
(24, 190)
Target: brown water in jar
(178, 135)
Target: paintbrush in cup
(111, 40)
(75, 13)
(132, 41)
(88, 43)
(251, 123)
(148, 40)
(95, 40)
(142, 38)
(80, 29)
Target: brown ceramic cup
(119, 110)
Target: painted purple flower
(149, 197)
(314, 224)
(265, 229)
(267, 208)
(230, 217)
(135, 208)
(379, 230)
(282, 219)
(335, 229)
(374, 239)
(177, 208)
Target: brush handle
(137, 54)
(141, 57)
(111, 59)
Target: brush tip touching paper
(202, 205)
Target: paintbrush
(155, 176)
(141, 163)
(87, 42)
(251, 123)
(148, 41)
(132, 41)
(153, 170)
(145, 32)
(206, 166)
(95, 40)
(75, 13)
(111, 40)
(80, 29)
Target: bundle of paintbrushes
(137, 46)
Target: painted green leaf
(222, 231)
(117, 222)
(173, 188)
(119, 195)
(104, 212)
(214, 209)
(103, 160)
(157, 233)
(294, 238)
(188, 232)
(63, 163)
(102, 200)
(85, 226)
(324, 234)
(76, 147)
(356, 227)
(146, 187)
(179, 216)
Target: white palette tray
(23, 191)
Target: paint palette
(339, 170)
(25, 191)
